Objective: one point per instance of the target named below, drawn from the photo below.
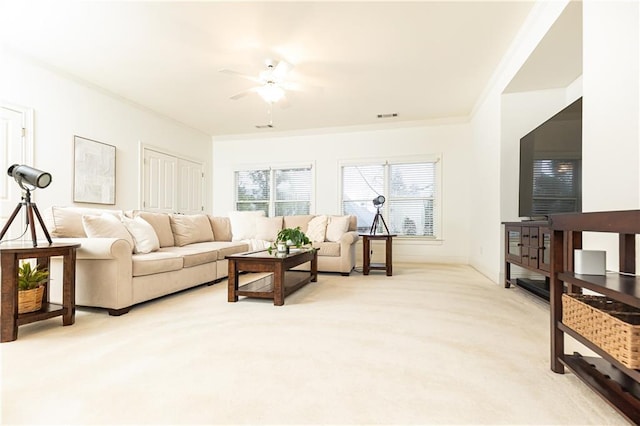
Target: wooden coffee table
(284, 280)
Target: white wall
(486, 231)
(64, 107)
(328, 149)
(611, 113)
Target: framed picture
(94, 171)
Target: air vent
(388, 115)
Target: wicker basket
(30, 300)
(611, 325)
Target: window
(278, 192)
(410, 189)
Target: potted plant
(289, 237)
(30, 287)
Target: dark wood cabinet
(527, 245)
(605, 374)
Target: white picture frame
(94, 171)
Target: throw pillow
(267, 228)
(336, 227)
(145, 239)
(105, 226)
(162, 225)
(66, 222)
(243, 224)
(317, 229)
(188, 229)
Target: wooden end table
(9, 259)
(366, 253)
(284, 282)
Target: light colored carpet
(434, 344)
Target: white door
(159, 182)
(15, 149)
(190, 187)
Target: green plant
(30, 278)
(292, 237)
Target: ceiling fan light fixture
(271, 93)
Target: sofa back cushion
(221, 227)
(66, 222)
(189, 229)
(353, 223)
(299, 220)
(162, 225)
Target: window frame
(272, 168)
(388, 161)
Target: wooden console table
(367, 266)
(528, 245)
(605, 374)
(9, 259)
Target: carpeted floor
(434, 344)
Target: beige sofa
(129, 258)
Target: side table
(366, 258)
(9, 259)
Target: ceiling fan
(272, 84)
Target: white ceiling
(422, 60)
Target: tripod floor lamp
(377, 203)
(29, 179)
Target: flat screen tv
(551, 166)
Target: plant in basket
(30, 287)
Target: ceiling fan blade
(243, 94)
(281, 70)
(239, 74)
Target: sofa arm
(349, 238)
(100, 248)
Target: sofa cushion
(106, 225)
(317, 228)
(189, 229)
(336, 227)
(144, 236)
(155, 263)
(66, 222)
(267, 228)
(228, 248)
(162, 225)
(243, 224)
(194, 254)
(327, 248)
(299, 220)
(221, 227)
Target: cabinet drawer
(533, 257)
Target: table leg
(9, 298)
(389, 258)
(232, 286)
(366, 256)
(314, 268)
(69, 287)
(278, 285)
